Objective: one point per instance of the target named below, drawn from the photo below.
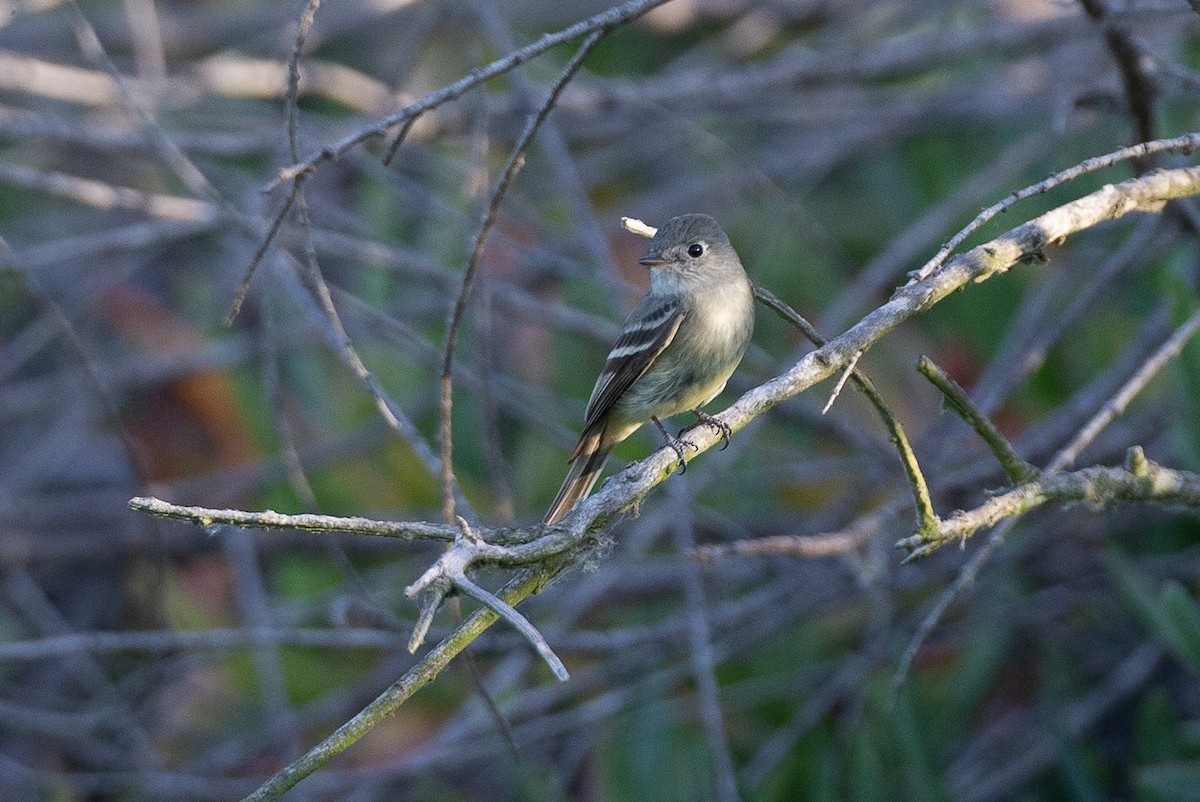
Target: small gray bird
(677, 349)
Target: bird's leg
(676, 445)
(708, 420)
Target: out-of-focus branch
(1136, 464)
(516, 160)
(607, 19)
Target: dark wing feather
(644, 338)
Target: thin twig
(513, 166)
(841, 382)
(883, 269)
(528, 581)
(518, 622)
(1042, 749)
(1136, 383)
(1140, 480)
(304, 522)
(926, 517)
(1136, 69)
(239, 296)
(1181, 144)
(1018, 469)
(293, 76)
(704, 663)
(101, 195)
(1136, 472)
(319, 300)
(398, 140)
(1140, 248)
(568, 179)
(610, 18)
(166, 641)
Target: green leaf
(1182, 616)
(1170, 614)
(868, 776)
(918, 779)
(1156, 729)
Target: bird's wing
(647, 332)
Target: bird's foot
(704, 419)
(677, 445)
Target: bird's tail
(586, 464)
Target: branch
(308, 522)
(1181, 144)
(450, 573)
(530, 580)
(1139, 480)
(1018, 470)
(516, 160)
(607, 19)
(916, 480)
(967, 574)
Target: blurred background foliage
(839, 143)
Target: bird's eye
(696, 250)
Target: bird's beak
(653, 261)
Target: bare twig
(883, 269)
(529, 581)
(1140, 480)
(1181, 144)
(450, 573)
(1136, 69)
(100, 195)
(912, 470)
(239, 296)
(1136, 383)
(515, 161)
(704, 663)
(165, 641)
(293, 76)
(1041, 750)
(305, 522)
(1129, 483)
(841, 382)
(1018, 469)
(610, 18)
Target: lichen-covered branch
(304, 522)
(1139, 480)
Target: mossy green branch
(1018, 469)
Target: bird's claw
(677, 445)
(704, 419)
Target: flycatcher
(677, 349)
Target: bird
(677, 349)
